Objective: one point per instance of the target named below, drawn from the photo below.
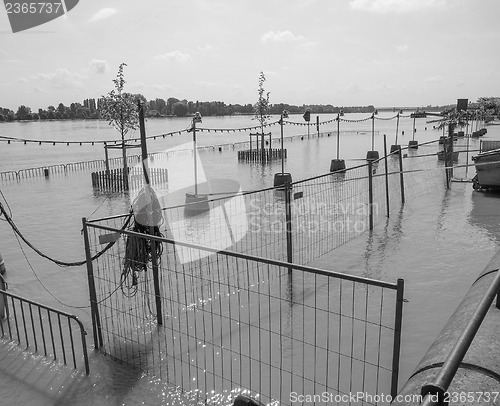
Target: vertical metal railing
(43, 330)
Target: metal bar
(43, 330)
(398, 322)
(303, 268)
(457, 354)
(288, 220)
(62, 338)
(52, 335)
(370, 193)
(96, 320)
(72, 342)
(33, 327)
(24, 326)
(15, 320)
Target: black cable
(56, 261)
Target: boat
(487, 169)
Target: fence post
(446, 163)
(396, 350)
(288, 219)
(370, 193)
(94, 310)
(401, 177)
(386, 176)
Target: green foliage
(261, 108)
(118, 107)
(22, 112)
(179, 109)
(490, 104)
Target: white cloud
(206, 84)
(175, 56)
(61, 78)
(207, 48)
(380, 62)
(99, 66)
(309, 45)
(102, 14)
(402, 48)
(280, 36)
(433, 79)
(399, 6)
(163, 87)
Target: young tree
(120, 110)
(261, 108)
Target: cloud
(99, 66)
(60, 79)
(280, 36)
(163, 87)
(380, 62)
(207, 48)
(398, 6)
(206, 84)
(102, 14)
(175, 56)
(402, 48)
(433, 79)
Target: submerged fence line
(116, 162)
(216, 323)
(310, 217)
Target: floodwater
(438, 242)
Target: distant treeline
(171, 107)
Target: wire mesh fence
(218, 323)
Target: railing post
(386, 176)
(288, 220)
(370, 193)
(401, 177)
(396, 350)
(94, 310)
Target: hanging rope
(56, 261)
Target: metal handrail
(433, 393)
(49, 310)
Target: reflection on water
(485, 213)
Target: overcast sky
(340, 52)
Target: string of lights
(26, 141)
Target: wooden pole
(154, 259)
(387, 200)
(106, 157)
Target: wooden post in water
(106, 157)
(154, 259)
(401, 178)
